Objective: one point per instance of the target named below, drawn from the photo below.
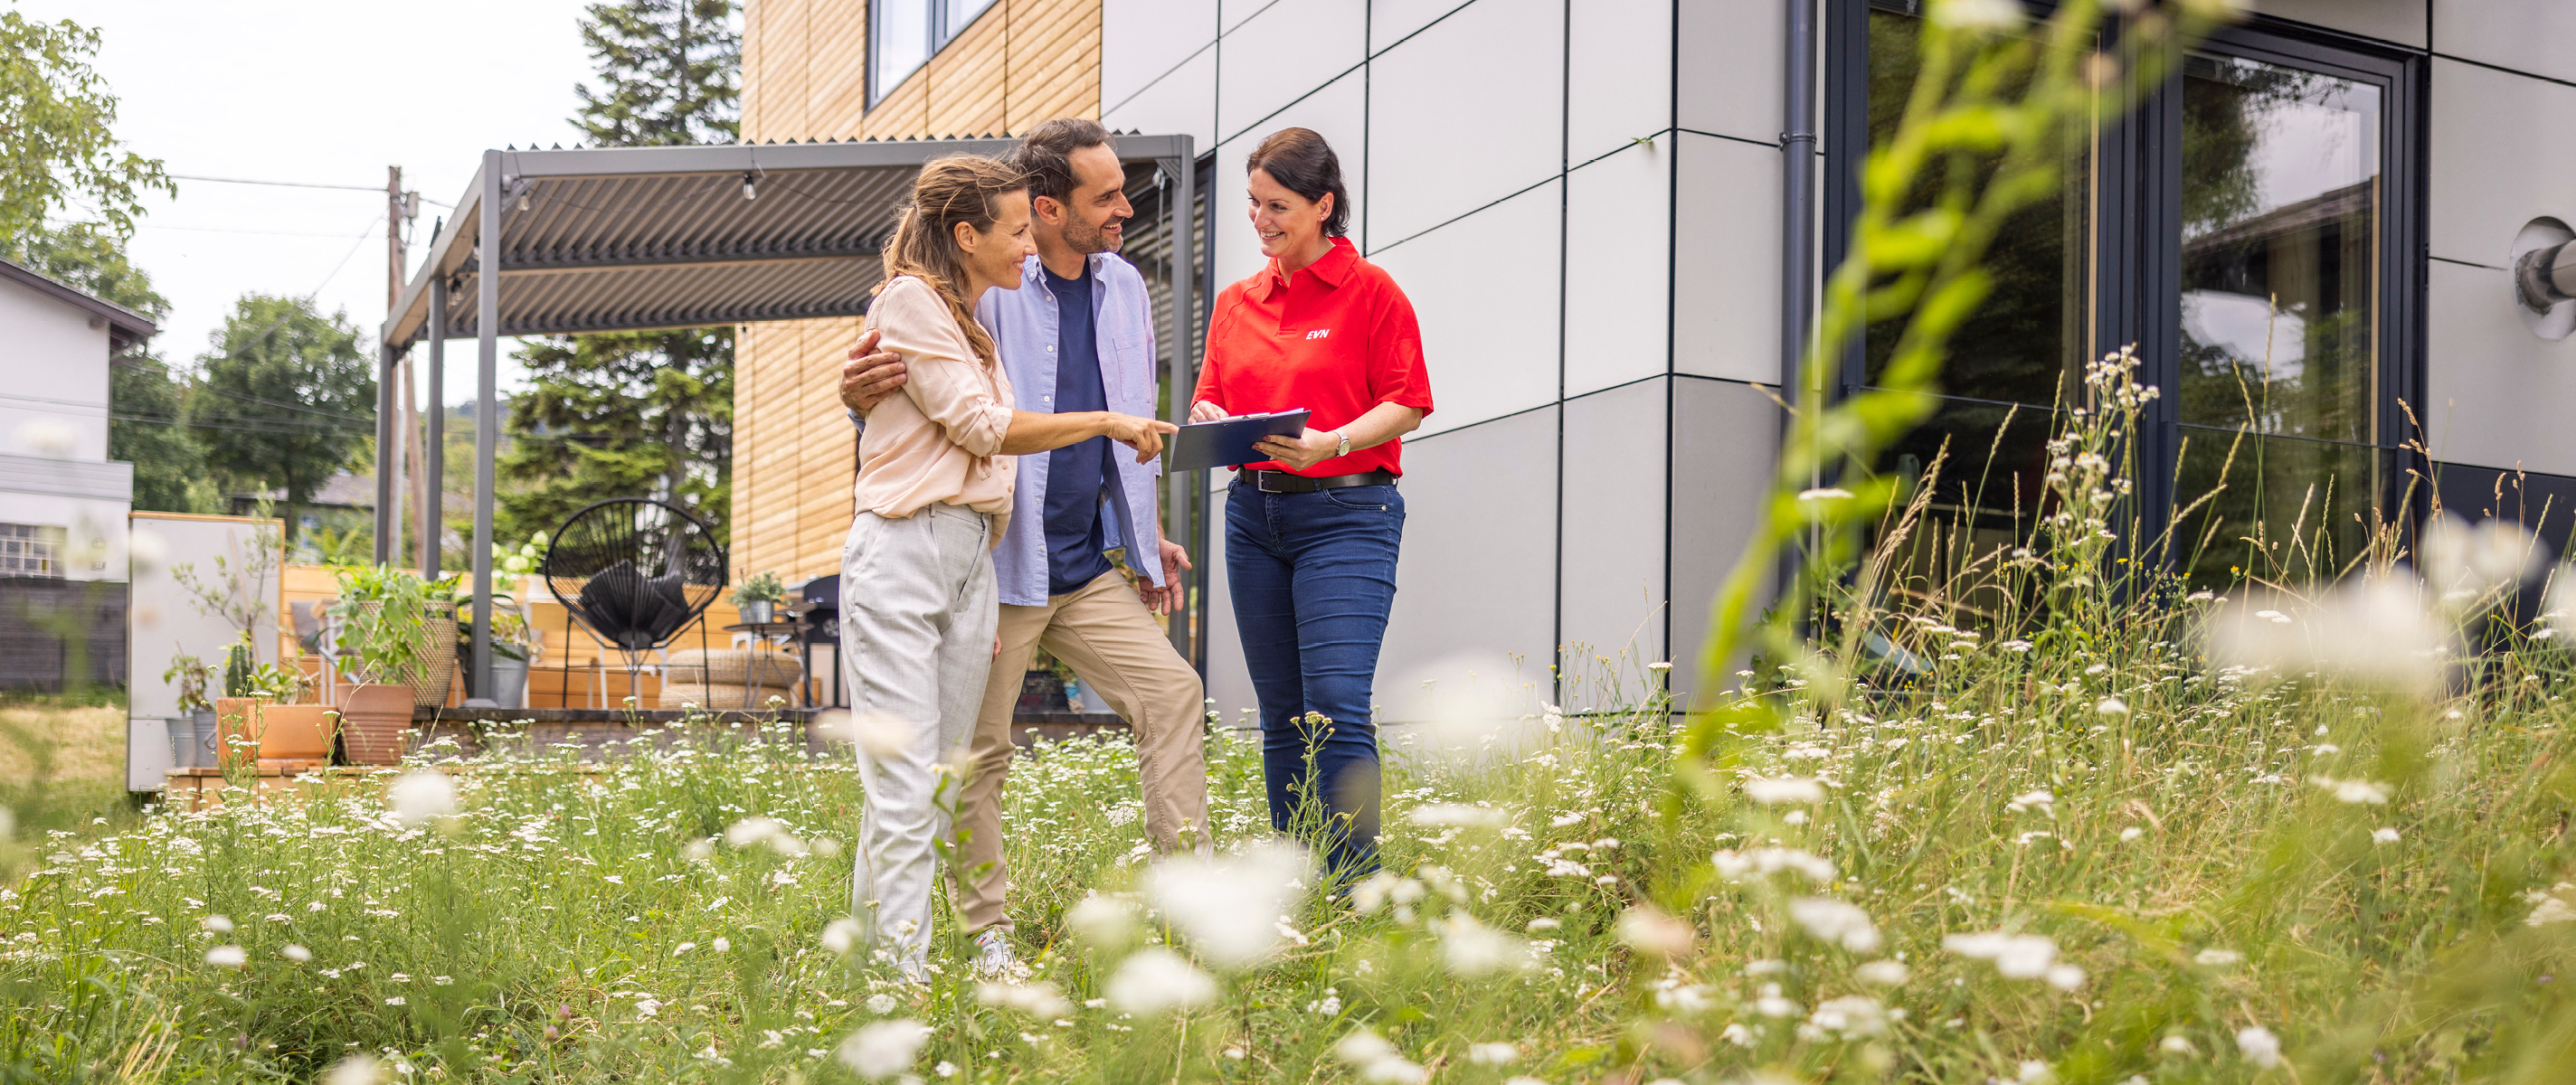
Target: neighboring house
(346, 502)
(62, 501)
(1585, 202)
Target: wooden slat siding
(804, 72)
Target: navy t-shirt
(1075, 473)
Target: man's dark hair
(1303, 163)
(1046, 155)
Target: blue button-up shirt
(1023, 325)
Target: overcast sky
(319, 91)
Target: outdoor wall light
(749, 192)
(2544, 277)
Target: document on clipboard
(1227, 442)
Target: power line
(228, 230)
(294, 184)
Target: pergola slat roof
(632, 238)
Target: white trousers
(918, 606)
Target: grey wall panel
(1181, 101)
(2495, 164)
(1726, 274)
(1258, 74)
(1619, 258)
(1474, 105)
(2499, 395)
(1725, 439)
(1484, 288)
(2525, 35)
(1228, 684)
(2400, 21)
(1477, 574)
(1621, 88)
(1141, 40)
(1613, 539)
(1730, 78)
(1340, 114)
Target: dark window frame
(2137, 246)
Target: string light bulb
(750, 186)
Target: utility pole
(398, 209)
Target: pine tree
(638, 414)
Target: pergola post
(487, 414)
(386, 528)
(433, 513)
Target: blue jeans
(1312, 577)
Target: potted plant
(276, 719)
(386, 616)
(237, 715)
(192, 737)
(513, 651)
(757, 597)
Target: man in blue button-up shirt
(1077, 336)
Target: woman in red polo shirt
(1311, 535)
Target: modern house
(63, 503)
(2310, 234)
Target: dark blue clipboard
(1227, 442)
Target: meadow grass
(1558, 895)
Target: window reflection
(2279, 369)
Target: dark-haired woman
(1311, 534)
(934, 493)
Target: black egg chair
(635, 572)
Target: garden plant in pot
(389, 622)
(192, 738)
(263, 715)
(513, 651)
(758, 596)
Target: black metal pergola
(633, 239)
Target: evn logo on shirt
(1319, 333)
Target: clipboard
(1227, 442)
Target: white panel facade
(1730, 79)
(1476, 108)
(54, 365)
(1339, 113)
(2498, 395)
(1392, 21)
(1621, 87)
(1478, 570)
(1612, 533)
(1724, 437)
(1619, 251)
(1726, 270)
(1484, 289)
(2485, 183)
(1259, 72)
(2400, 21)
(1181, 101)
(1142, 40)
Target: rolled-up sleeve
(941, 374)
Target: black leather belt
(1281, 482)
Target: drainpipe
(1798, 223)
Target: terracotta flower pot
(295, 731)
(238, 726)
(373, 723)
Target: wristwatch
(1346, 443)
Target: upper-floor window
(904, 34)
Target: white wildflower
(2041, 799)
(2377, 631)
(1835, 921)
(2112, 706)
(1773, 790)
(1039, 999)
(880, 1004)
(883, 1049)
(296, 953)
(2016, 956)
(2064, 976)
(881, 736)
(843, 935)
(2468, 563)
(1105, 922)
(1443, 814)
(1156, 980)
(420, 795)
(1851, 1015)
(2383, 835)
(2354, 791)
(355, 1070)
(227, 957)
(1980, 16)
(1498, 1054)
(1230, 906)
(216, 924)
(1736, 867)
(1882, 973)
(1649, 931)
(2259, 1046)
(1474, 949)
(1375, 1059)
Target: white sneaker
(995, 958)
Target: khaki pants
(1110, 640)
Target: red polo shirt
(1336, 338)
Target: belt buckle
(1258, 486)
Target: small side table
(763, 632)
